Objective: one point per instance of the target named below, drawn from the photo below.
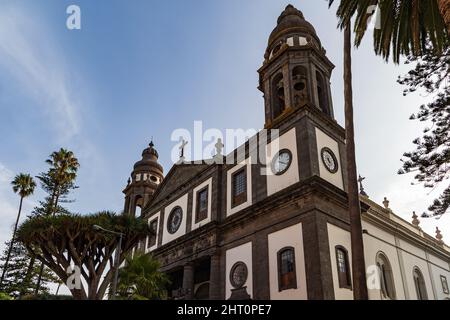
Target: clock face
(238, 274)
(329, 160)
(174, 220)
(281, 162)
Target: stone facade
(237, 252)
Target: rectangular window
(202, 205)
(152, 237)
(239, 187)
(444, 284)
(287, 278)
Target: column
(287, 86)
(214, 278)
(188, 281)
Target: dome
(291, 21)
(149, 160)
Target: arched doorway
(202, 292)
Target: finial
(439, 236)
(151, 144)
(415, 220)
(386, 203)
(218, 158)
(361, 187)
(183, 144)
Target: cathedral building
(227, 231)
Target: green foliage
(58, 241)
(21, 276)
(141, 279)
(431, 158)
(407, 27)
(57, 182)
(23, 184)
(5, 296)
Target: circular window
(281, 162)
(174, 220)
(238, 274)
(329, 160)
(153, 178)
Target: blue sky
(139, 68)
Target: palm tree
(141, 279)
(24, 185)
(63, 171)
(60, 177)
(406, 27)
(357, 244)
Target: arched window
(299, 79)
(343, 267)
(287, 278)
(386, 277)
(419, 283)
(138, 204)
(278, 97)
(322, 93)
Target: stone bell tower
(296, 70)
(145, 178)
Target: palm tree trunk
(358, 264)
(444, 8)
(5, 266)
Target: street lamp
(116, 259)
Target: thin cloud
(38, 67)
(405, 198)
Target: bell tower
(296, 70)
(145, 178)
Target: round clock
(329, 160)
(174, 220)
(281, 162)
(238, 274)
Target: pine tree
(16, 283)
(431, 158)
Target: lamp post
(116, 259)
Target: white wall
(182, 202)
(323, 140)
(438, 268)
(241, 253)
(338, 236)
(412, 257)
(371, 247)
(194, 204)
(276, 183)
(288, 237)
(230, 172)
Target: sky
(144, 68)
